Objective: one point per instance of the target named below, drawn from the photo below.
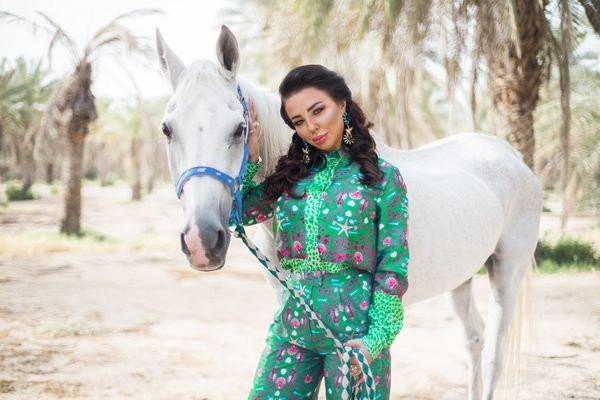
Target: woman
(340, 224)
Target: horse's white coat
(471, 200)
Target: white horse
(472, 199)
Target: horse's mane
(274, 136)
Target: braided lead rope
(344, 352)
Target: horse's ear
(228, 52)
(170, 64)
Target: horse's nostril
(220, 239)
(184, 247)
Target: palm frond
(14, 18)
(60, 35)
(514, 31)
(592, 10)
(114, 33)
(141, 12)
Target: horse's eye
(240, 129)
(165, 129)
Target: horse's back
(488, 159)
(461, 190)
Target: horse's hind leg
(505, 275)
(464, 305)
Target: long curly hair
(290, 168)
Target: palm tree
(23, 93)
(513, 42)
(72, 108)
(584, 145)
(126, 143)
(142, 133)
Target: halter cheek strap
(233, 184)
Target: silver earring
(305, 154)
(348, 138)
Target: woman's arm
(386, 313)
(254, 208)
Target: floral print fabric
(339, 224)
(298, 356)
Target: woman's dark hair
(290, 168)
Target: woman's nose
(311, 126)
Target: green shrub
(550, 267)
(110, 181)
(567, 252)
(92, 235)
(55, 188)
(14, 193)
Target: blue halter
(234, 184)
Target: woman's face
(317, 118)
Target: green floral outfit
(346, 246)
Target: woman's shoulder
(391, 173)
(385, 164)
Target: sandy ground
(127, 318)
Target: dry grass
(36, 243)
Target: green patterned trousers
(298, 355)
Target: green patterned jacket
(339, 223)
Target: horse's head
(204, 125)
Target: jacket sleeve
(254, 208)
(386, 313)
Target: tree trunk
(16, 146)
(27, 170)
(515, 81)
(473, 76)
(136, 169)
(566, 26)
(49, 173)
(406, 81)
(514, 107)
(77, 110)
(27, 156)
(152, 168)
(70, 223)
(103, 167)
(150, 183)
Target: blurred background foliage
(422, 70)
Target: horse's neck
(274, 135)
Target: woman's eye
(165, 130)
(318, 110)
(298, 123)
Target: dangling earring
(348, 138)
(305, 154)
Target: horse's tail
(519, 335)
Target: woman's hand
(355, 371)
(254, 155)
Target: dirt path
(126, 318)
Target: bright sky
(190, 28)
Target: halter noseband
(233, 184)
